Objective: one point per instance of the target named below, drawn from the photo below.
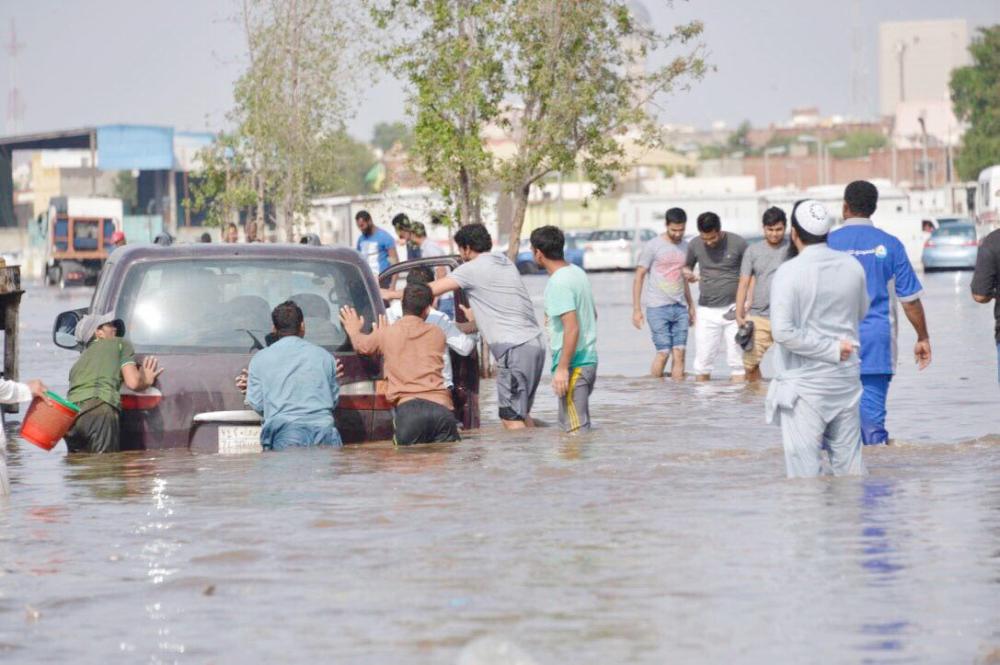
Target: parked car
(614, 249)
(204, 309)
(573, 252)
(952, 246)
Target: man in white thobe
(817, 301)
(12, 392)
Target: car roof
(147, 252)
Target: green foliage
(740, 139)
(566, 82)
(448, 53)
(224, 185)
(126, 188)
(975, 92)
(387, 134)
(859, 144)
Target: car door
(465, 369)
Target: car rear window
(611, 235)
(953, 230)
(224, 305)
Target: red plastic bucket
(45, 424)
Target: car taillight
(970, 243)
(588, 247)
(141, 401)
(364, 396)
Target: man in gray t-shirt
(659, 284)
(506, 317)
(753, 299)
(718, 255)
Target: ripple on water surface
(668, 534)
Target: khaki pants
(762, 341)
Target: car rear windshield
(611, 235)
(953, 230)
(224, 305)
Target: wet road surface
(669, 534)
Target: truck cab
(78, 232)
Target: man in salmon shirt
(413, 351)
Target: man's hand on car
(352, 322)
(241, 380)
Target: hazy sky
(172, 62)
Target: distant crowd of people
(825, 297)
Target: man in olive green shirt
(95, 382)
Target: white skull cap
(812, 216)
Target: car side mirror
(64, 330)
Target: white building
(916, 58)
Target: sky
(173, 62)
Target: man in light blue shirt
(818, 300)
(890, 277)
(376, 246)
(293, 385)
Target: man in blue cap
(889, 277)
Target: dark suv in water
(203, 310)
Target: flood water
(669, 534)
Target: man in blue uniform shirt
(889, 277)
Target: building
(916, 58)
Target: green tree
(387, 134)
(448, 52)
(975, 92)
(859, 144)
(126, 188)
(225, 184)
(739, 139)
(582, 89)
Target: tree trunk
(517, 220)
(464, 197)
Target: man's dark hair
(363, 214)
(708, 222)
(205, 237)
(416, 298)
(401, 221)
(420, 275)
(861, 197)
(287, 318)
(232, 225)
(550, 241)
(474, 237)
(806, 237)
(676, 216)
(774, 215)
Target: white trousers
(806, 437)
(709, 330)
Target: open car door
(465, 369)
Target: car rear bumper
(946, 257)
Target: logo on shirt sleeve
(881, 252)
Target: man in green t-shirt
(572, 323)
(95, 382)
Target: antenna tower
(15, 105)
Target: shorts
(423, 421)
(574, 406)
(668, 325)
(762, 341)
(95, 430)
(519, 370)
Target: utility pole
(15, 106)
(901, 53)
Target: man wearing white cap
(817, 301)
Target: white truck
(78, 232)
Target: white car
(614, 249)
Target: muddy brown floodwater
(668, 534)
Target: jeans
(668, 325)
(873, 410)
